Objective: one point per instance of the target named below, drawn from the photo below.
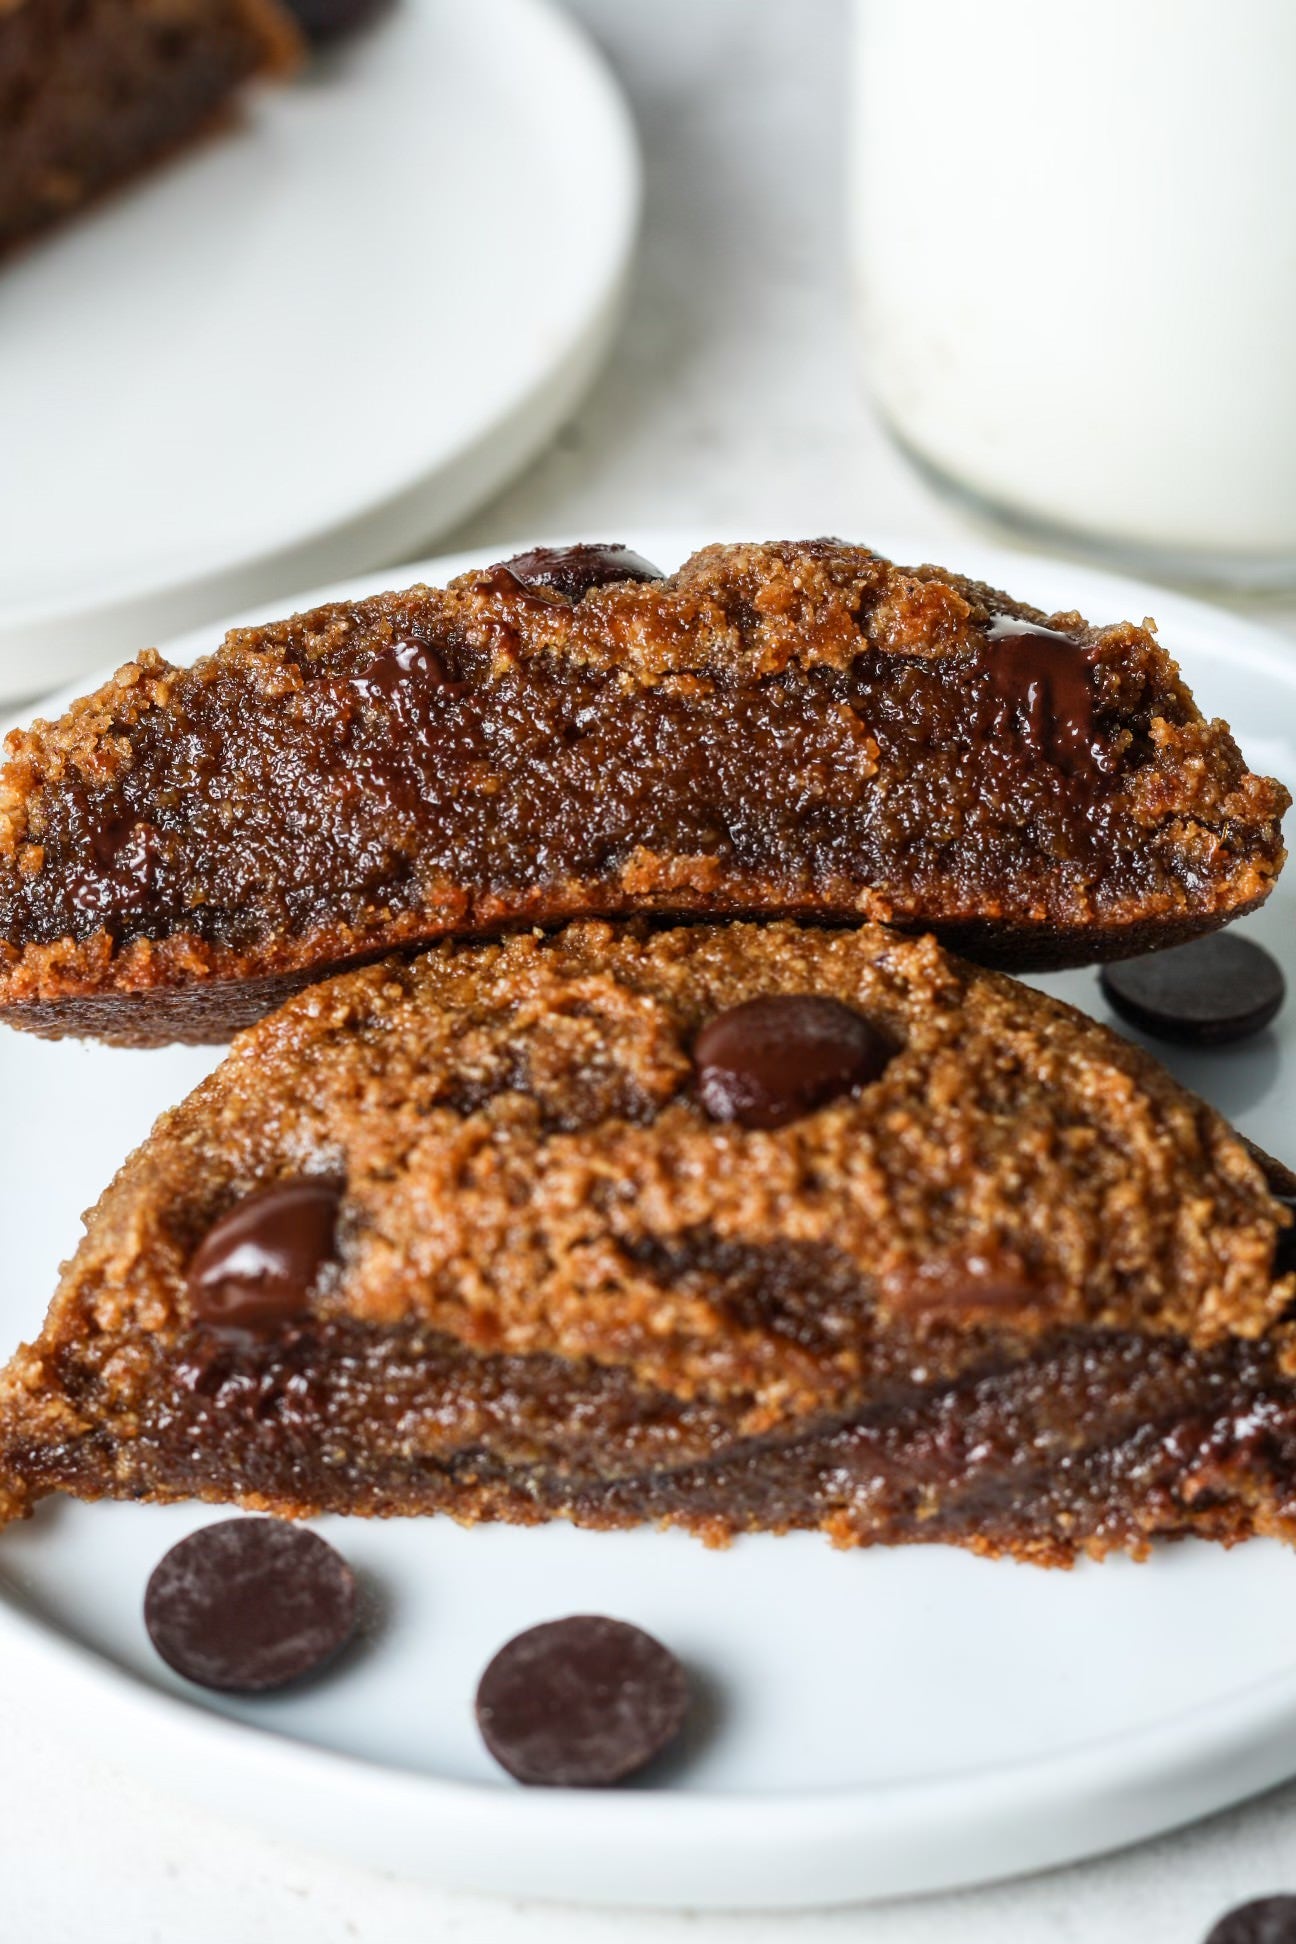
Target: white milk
(1074, 229)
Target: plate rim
(997, 1820)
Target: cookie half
(795, 730)
(735, 1227)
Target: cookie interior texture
(92, 91)
(1017, 1292)
(796, 730)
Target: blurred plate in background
(313, 342)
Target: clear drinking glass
(1073, 228)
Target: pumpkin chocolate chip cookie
(730, 1226)
(794, 730)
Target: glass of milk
(1074, 233)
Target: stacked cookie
(517, 1197)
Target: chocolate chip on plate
(250, 1604)
(1269, 1920)
(1203, 994)
(581, 1703)
(771, 1060)
(258, 1265)
(573, 571)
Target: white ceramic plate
(313, 342)
(872, 1723)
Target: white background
(730, 403)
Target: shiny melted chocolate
(118, 872)
(570, 572)
(258, 1266)
(1042, 683)
(397, 669)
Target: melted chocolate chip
(250, 1604)
(772, 1060)
(405, 679)
(1206, 993)
(1269, 1920)
(258, 1265)
(398, 669)
(581, 1703)
(1041, 681)
(120, 870)
(572, 571)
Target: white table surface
(731, 402)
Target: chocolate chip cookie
(735, 1226)
(797, 730)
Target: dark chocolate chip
(407, 679)
(1043, 685)
(573, 571)
(121, 868)
(581, 1703)
(1203, 994)
(258, 1265)
(327, 20)
(1270, 1920)
(404, 665)
(771, 1060)
(250, 1604)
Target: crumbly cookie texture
(796, 730)
(1018, 1292)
